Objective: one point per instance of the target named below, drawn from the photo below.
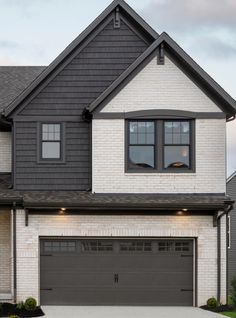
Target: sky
(34, 32)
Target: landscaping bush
(19, 310)
(30, 304)
(233, 292)
(20, 305)
(212, 303)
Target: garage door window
(135, 246)
(181, 246)
(97, 246)
(63, 246)
(167, 246)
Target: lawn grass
(231, 314)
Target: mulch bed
(220, 308)
(7, 309)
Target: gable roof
(233, 175)
(14, 80)
(71, 47)
(225, 101)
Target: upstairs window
(176, 144)
(160, 145)
(51, 141)
(141, 144)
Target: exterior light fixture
(62, 211)
(184, 210)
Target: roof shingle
(14, 80)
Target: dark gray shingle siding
(89, 73)
(74, 88)
(231, 191)
(73, 175)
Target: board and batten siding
(81, 81)
(231, 191)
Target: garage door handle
(186, 290)
(116, 278)
(46, 289)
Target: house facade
(231, 244)
(113, 173)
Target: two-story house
(113, 173)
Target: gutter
(226, 211)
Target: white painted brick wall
(109, 167)
(161, 87)
(5, 252)
(115, 226)
(5, 151)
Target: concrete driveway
(126, 312)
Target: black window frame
(141, 145)
(41, 159)
(159, 124)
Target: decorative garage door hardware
(116, 278)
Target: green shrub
(233, 292)
(212, 303)
(13, 316)
(20, 305)
(30, 304)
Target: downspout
(227, 257)
(14, 253)
(218, 260)
(226, 212)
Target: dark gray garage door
(116, 272)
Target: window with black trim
(162, 145)
(51, 141)
(141, 144)
(176, 144)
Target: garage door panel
(70, 296)
(116, 272)
(160, 262)
(172, 279)
(73, 279)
